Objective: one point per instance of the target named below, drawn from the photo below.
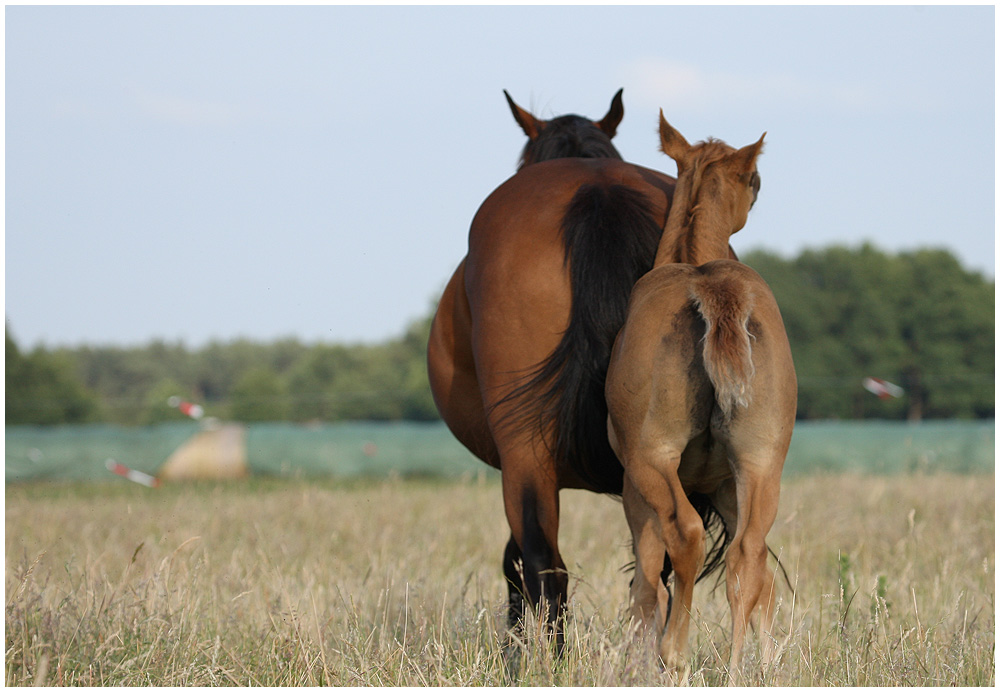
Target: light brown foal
(701, 395)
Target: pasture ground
(283, 582)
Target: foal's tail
(725, 303)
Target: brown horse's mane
(568, 136)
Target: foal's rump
(706, 337)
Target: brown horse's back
(524, 215)
(520, 286)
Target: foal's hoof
(678, 673)
(677, 667)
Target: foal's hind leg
(649, 598)
(749, 582)
(683, 534)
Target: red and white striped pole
(133, 475)
(881, 388)
(186, 407)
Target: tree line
(917, 319)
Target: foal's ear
(672, 142)
(745, 157)
(609, 123)
(529, 123)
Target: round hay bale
(218, 453)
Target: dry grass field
(267, 582)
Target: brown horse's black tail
(610, 239)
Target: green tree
(947, 322)
(364, 382)
(259, 395)
(311, 381)
(418, 402)
(41, 388)
(123, 378)
(918, 319)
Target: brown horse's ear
(529, 123)
(672, 142)
(747, 156)
(609, 123)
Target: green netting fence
(429, 449)
(883, 447)
(79, 452)
(358, 449)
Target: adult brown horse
(520, 342)
(701, 395)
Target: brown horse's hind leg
(513, 572)
(683, 534)
(533, 513)
(749, 582)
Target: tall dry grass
(399, 583)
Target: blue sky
(195, 173)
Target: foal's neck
(696, 231)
